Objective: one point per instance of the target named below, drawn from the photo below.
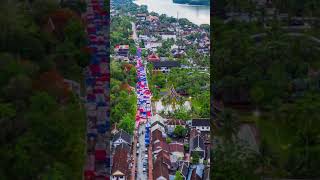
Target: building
(120, 166)
(121, 137)
(177, 150)
(153, 58)
(173, 123)
(202, 125)
(158, 118)
(141, 17)
(122, 50)
(165, 66)
(152, 18)
(161, 172)
(197, 146)
(184, 170)
(158, 126)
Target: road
(141, 160)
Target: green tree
(127, 123)
(178, 176)
(180, 131)
(195, 157)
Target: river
(196, 14)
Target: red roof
(153, 57)
(161, 144)
(157, 135)
(120, 161)
(176, 147)
(122, 46)
(161, 170)
(164, 156)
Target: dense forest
(122, 95)
(266, 74)
(42, 121)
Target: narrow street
(144, 113)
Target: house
(122, 50)
(202, 125)
(152, 18)
(121, 137)
(169, 35)
(143, 37)
(157, 135)
(160, 145)
(156, 118)
(165, 66)
(120, 166)
(164, 156)
(153, 58)
(141, 16)
(173, 123)
(161, 172)
(152, 45)
(197, 146)
(158, 125)
(184, 169)
(177, 150)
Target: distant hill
(193, 2)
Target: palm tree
(227, 125)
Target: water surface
(196, 14)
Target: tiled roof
(120, 162)
(164, 156)
(168, 64)
(157, 122)
(161, 170)
(160, 144)
(200, 122)
(184, 169)
(197, 141)
(157, 135)
(122, 134)
(176, 122)
(176, 147)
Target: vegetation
(121, 32)
(272, 75)
(195, 157)
(42, 121)
(178, 176)
(123, 99)
(180, 131)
